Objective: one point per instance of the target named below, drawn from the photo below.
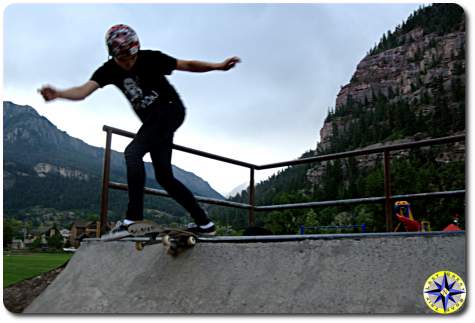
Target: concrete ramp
(365, 273)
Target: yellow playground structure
(403, 212)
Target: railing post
(252, 191)
(105, 183)
(387, 191)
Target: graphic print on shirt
(135, 95)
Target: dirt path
(18, 296)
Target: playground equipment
(403, 212)
(454, 226)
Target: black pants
(156, 136)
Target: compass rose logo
(444, 292)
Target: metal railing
(387, 199)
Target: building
(83, 229)
(17, 244)
(65, 233)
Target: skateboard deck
(175, 240)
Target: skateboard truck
(171, 243)
(172, 239)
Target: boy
(140, 75)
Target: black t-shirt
(145, 85)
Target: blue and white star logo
(444, 292)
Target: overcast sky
(269, 108)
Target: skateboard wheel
(166, 240)
(139, 245)
(191, 241)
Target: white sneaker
(204, 230)
(119, 231)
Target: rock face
(42, 169)
(424, 68)
(408, 70)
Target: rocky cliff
(409, 70)
(420, 65)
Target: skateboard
(175, 240)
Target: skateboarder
(140, 75)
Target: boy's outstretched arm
(199, 66)
(50, 93)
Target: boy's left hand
(229, 63)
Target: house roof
(81, 223)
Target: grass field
(17, 267)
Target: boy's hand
(229, 63)
(49, 93)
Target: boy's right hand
(48, 92)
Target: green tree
(12, 229)
(55, 242)
(36, 244)
(7, 233)
(310, 218)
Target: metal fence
(387, 199)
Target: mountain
(238, 189)
(409, 86)
(415, 73)
(46, 169)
